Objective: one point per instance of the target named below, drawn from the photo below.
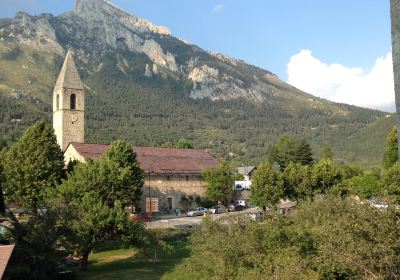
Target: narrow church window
(73, 101)
(58, 102)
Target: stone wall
(68, 124)
(171, 189)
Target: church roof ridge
(69, 76)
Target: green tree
(327, 238)
(288, 150)
(168, 144)
(184, 144)
(283, 152)
(34, 165)
(267, 186)
(297, 181)
(219, 182)
(93, 200)
(390, 155)
(104, 177)
(303, 153)
(121, 153)
(327, 152)
(390, 182)
(325, 175)
(365, 186)
(181, 144)
(36, 253)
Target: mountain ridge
(144, 65)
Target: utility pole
(395, 17)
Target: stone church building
(172, 175)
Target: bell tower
(69, 105)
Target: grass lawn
(130, 264)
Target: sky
(339, 50)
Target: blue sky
(272, 34)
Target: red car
(141, 218)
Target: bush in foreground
(329, 238)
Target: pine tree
(32, 166)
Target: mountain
(146, 86)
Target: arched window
(73, 102)
(58, 102)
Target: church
(172, 175)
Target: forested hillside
(147, 87)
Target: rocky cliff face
(99, 26)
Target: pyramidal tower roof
(69, 76)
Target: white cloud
(217, 8)
(372, 88)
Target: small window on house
(73, 102)
(58, 102)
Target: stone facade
(171, 189)
(69, 106)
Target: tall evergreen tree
(32, 166)
(287, 150)
(303, 153)
(390, 156)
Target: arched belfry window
(58, 102)
(73, 102)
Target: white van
(241, 185)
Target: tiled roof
(69, 76)
(158, 160)
(5, 254)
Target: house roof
(245, 170)
(69, 76)
(158, 160)
(5, 254)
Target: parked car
(217, 209)
(199, 211)
(141, 218)
(241, 185)
(241, 202)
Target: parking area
(184, 221)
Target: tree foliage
(267, 186)
(121, 153)
(93, 200)
(219, 182)
(287, 150)
(391, 155)
(34, 165)
(329, 238)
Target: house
(246, 171)
(172, 175)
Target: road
(190, 221)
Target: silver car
(217, 209)
(199, 211)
